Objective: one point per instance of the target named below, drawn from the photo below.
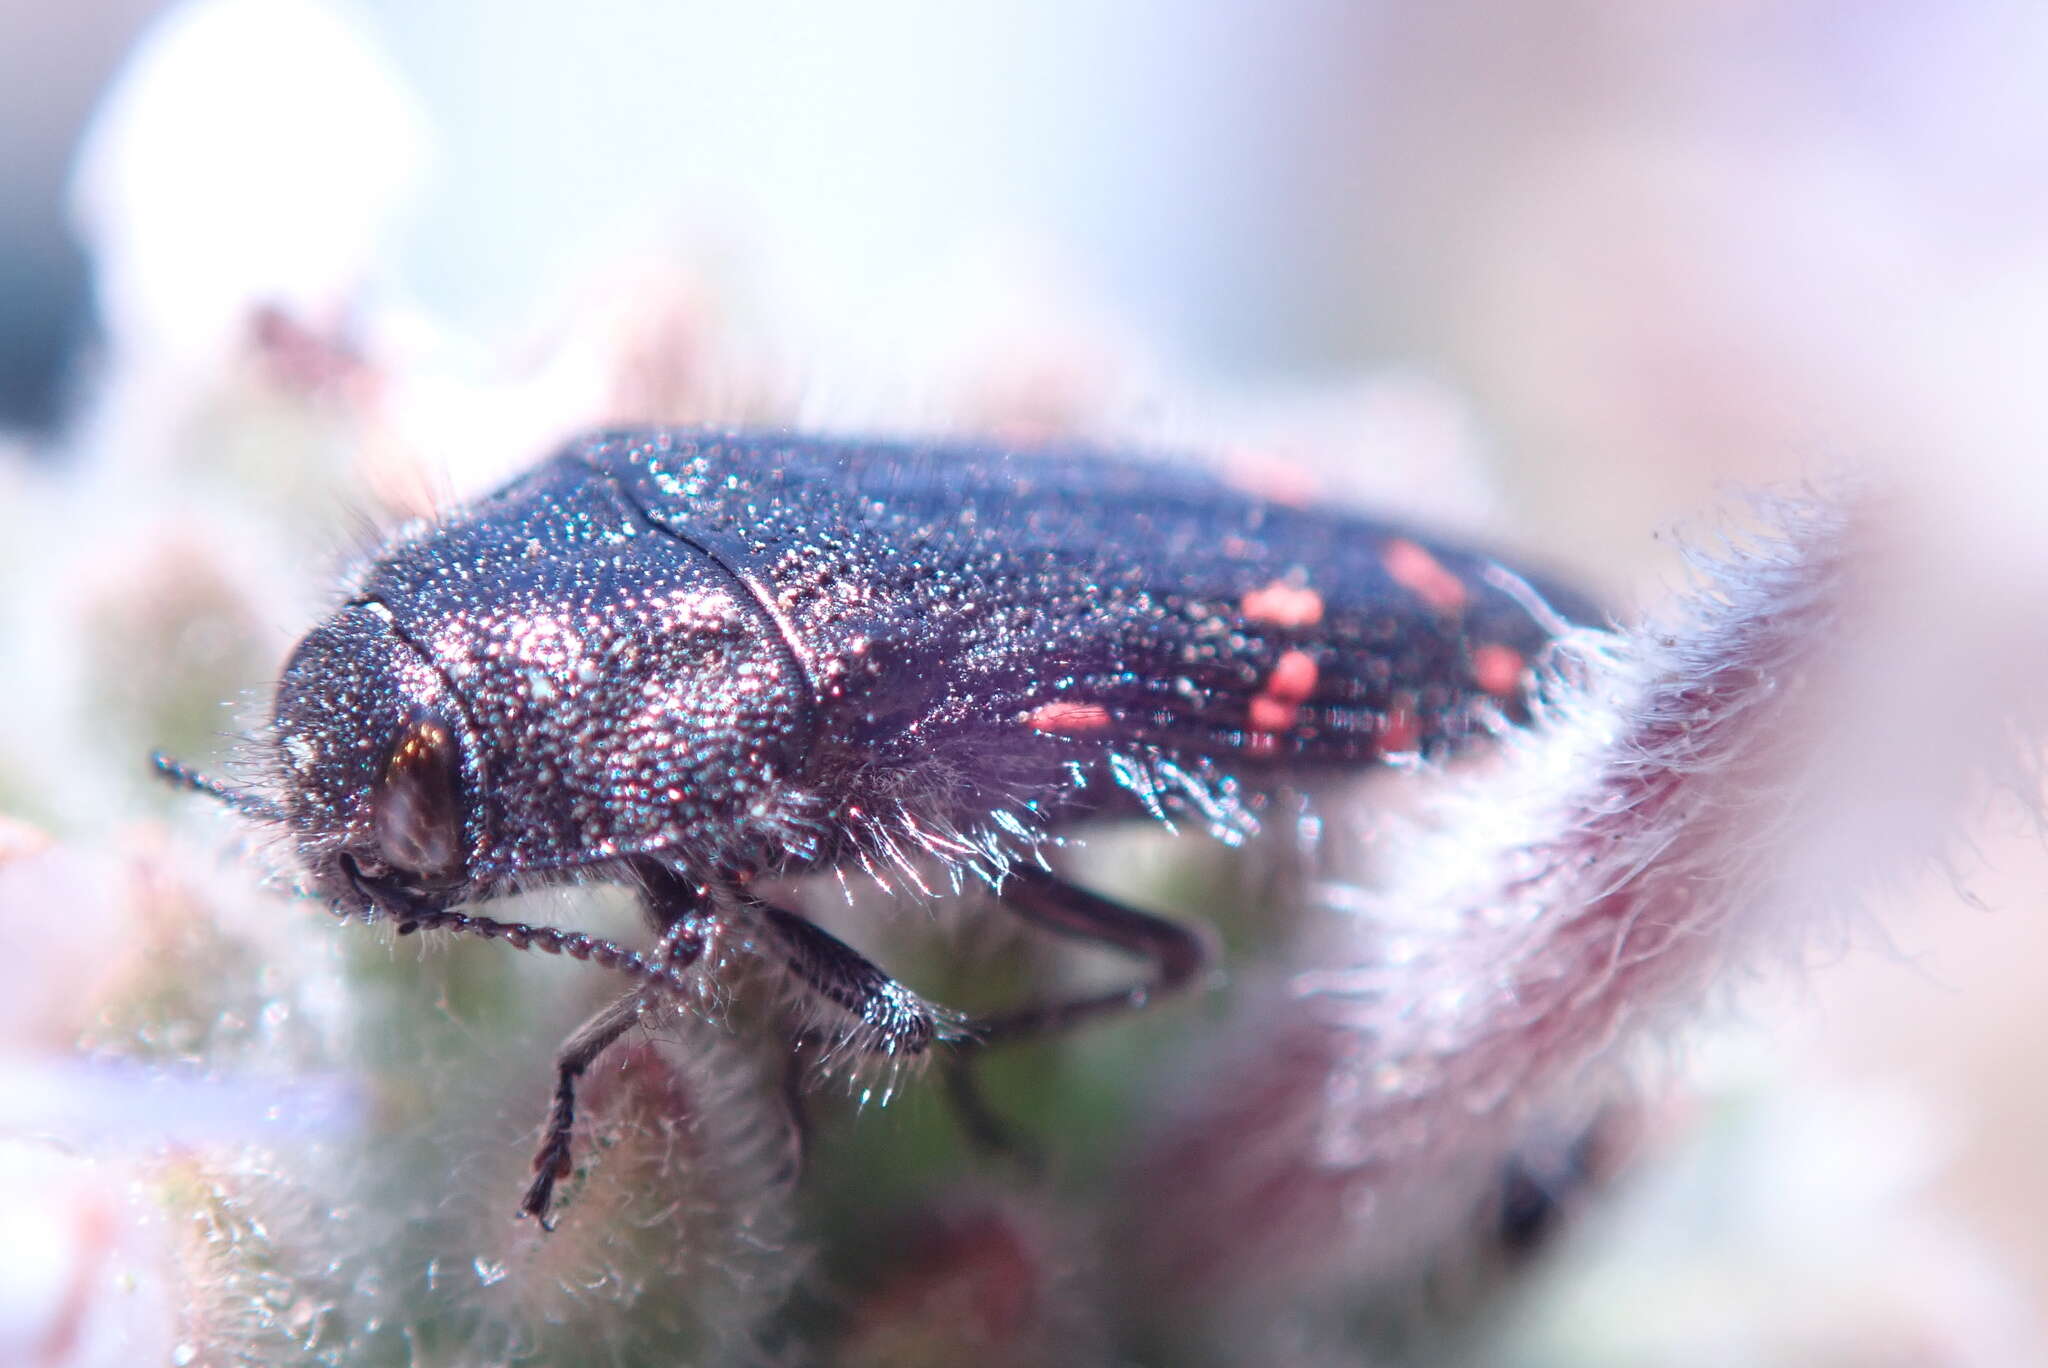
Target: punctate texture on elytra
(737, 652)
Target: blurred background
(1561, 274)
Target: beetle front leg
(671, 907)
(578, 1053)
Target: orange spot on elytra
(1496, 668)
(1272, 714)
(1293, 678)
(1399, 731)
(1281, 604)
(1423, 575)
(1068, 719)
(1277, 705)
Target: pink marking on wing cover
(1277, 705)
(1063, 718)
(1423, 575)
(1281, 604)
(1497, 669)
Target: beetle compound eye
(415, 808)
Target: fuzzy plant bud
(1688, 805)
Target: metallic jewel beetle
(691, 660)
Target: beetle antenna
(244, 801)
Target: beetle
(691, 661)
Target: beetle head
(381, 776)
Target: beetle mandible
(691, 660)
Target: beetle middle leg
(890, 1022)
